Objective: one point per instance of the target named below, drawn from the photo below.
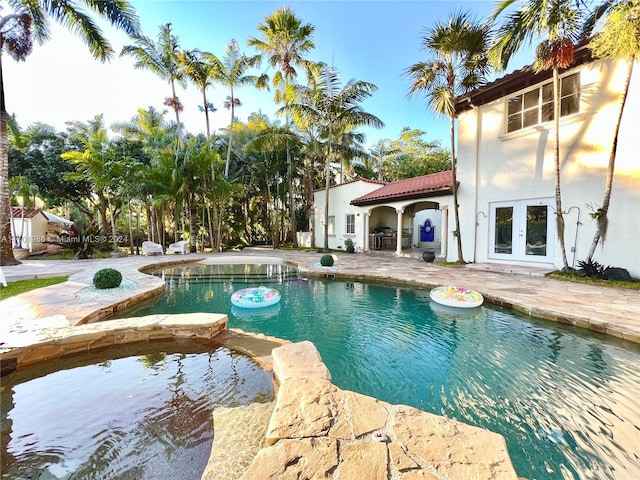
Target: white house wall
(340, 198)
(494, 166)
(383, 215)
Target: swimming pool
(565, 399)
(139, 411)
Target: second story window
(351, 224)
(536, 106)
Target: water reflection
(137, 417)
(565, 399)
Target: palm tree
(232, 73)
(619, 37)
(285, 40)
(162, 59)
(200, 72)
(559, 22)
(20, 187)
(92, 165)
(333, 109)
(458, 64)
(381, 154)
(29, 20)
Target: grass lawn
(21, 286)
(572, 277)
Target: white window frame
(332, 225)
(350, 224)
(536, 107)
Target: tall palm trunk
(22, 222)
(6, 249)
(193, 213)
(113, 224)
(130, 225)
(309, 184)
(206, 110)
(292, 205)
(233, 112)
(454, 167)
(556, 121)
(601, 227)
(175, 109)
(327, 184)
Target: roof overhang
(518, 80)
(417, 188)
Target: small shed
(33, 229)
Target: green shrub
(590, 268)
(107, 278)
(326, 261)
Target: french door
(522, 230)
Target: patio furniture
(179, 247)
(150, 248)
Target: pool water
(140, 411)
(565, 400)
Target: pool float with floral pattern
(255, 297)
(456, 297)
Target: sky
(373, 41)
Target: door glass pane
(537, 230)
(504, 230)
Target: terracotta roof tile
(424, 186)
(16, 212)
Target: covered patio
(393, 221)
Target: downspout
(575, 240)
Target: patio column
(400, 211)
(365, 244)
(444, 231)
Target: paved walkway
(614, 311)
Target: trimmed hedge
(326, 261)
(107, 278)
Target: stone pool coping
(60, 341)
(41, 317)
(606, 310)
(316, 430)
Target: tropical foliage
(330, 113)
(457, 63)
(26, 21)
(253, 181)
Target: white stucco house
(387, 216)
(506, 182)
(506, 166)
